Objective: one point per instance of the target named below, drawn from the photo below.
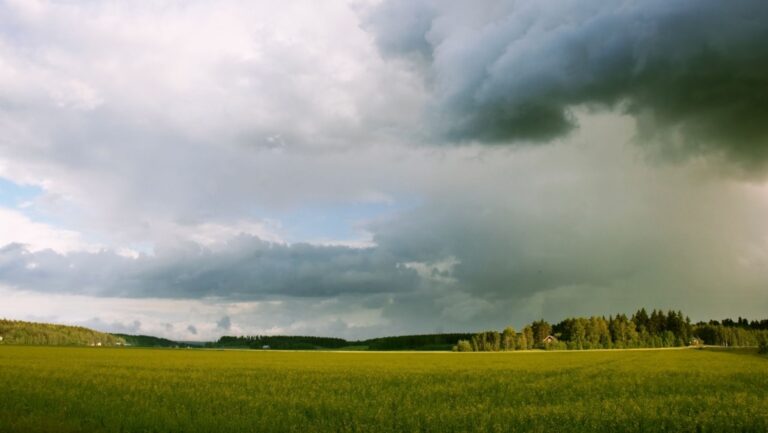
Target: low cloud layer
(244, 268)
(693, 73)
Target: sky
(354, 168)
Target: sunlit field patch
(54, 389)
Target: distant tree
(579, 332)
(597, 333)
(668, 339)
(528, 337)
(508, 338)
(658, 322)
(495, 339)
(488, 341)
(633, 338)
(520, 342)
(623, 331)
(641, 319)
(541, 330)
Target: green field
(154, 390)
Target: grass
(55, 389)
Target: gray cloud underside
(693, 73)
(244, 268)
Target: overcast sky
(191, 169)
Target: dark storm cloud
(693, 73)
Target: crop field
(54, 389)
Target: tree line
(657, 329)
(415, 342)
(286, 342)
(149, 341)
(291, 342)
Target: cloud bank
(244, 268)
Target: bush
(463, 346)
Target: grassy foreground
(55, 389)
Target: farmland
(64, 389)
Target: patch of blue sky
(13, 195)
(339, 222)
(21, 198)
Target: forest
(641, 330)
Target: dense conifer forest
(415, 342)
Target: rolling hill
(20, 332)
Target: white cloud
(197, 116)
(210, 234)
(439, 271)
(15, 227)
(76, 95)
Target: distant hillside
(18, 332)
(148, 341)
